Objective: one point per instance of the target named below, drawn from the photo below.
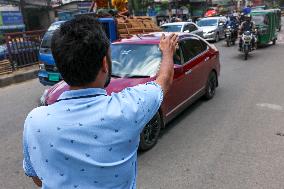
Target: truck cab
(48, 73)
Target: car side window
(192, 28)
(178, 57)
(191, 48)
(186, 28)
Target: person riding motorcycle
(247, 25)
(234, 24)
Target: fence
(23, 47)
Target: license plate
(53, 77)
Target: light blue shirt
(89, 142)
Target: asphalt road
(230, 142)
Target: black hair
(79, 47)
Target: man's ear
(105, 67)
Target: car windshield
(135, 60)
(207, 22)
(171, 28)
(46, 41)
(259, 19)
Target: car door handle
(206, 59)
(188, 72)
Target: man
(121, 6)
(232, 21)
(247, 25)
(88, 139)
(101, 4)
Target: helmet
(248, 17)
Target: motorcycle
(231, 36)
(247, 47)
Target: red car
(136, 61)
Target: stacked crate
(5, 67)
(136, 25)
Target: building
(11, 18)
(66, 9)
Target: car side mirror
(178, 70)
(186, 31)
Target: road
(230, 142)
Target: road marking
(271, 106)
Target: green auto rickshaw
(266, 24)
(278, 18)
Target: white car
(187, 27)
(213, 28)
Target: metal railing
(23, 47)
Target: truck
(115, 27)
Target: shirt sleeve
(140, 103)
(27, 165)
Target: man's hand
(168, 44)
(168, 47)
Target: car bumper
(209, 37)
(43, 78)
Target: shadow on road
(176, 121)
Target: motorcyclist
(247, 25)
(234, 24)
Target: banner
(12, 18)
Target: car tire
(217, 38)
(150, 134)
(274, 42)
(211, 86)
(228, 43)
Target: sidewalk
(18, 76)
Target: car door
(195, 68)
(177, 95)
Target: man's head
(81, 51)
(248, 18)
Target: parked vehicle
(136, 61)
(266, 24)
(213, 28)
(187, 27)
(247, 47)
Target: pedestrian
(89, 139)
(121, 6)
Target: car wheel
(211, 86)
(274, 42)
(150, 134)
(217, 37)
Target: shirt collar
(82, 93)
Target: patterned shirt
(89, 140)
